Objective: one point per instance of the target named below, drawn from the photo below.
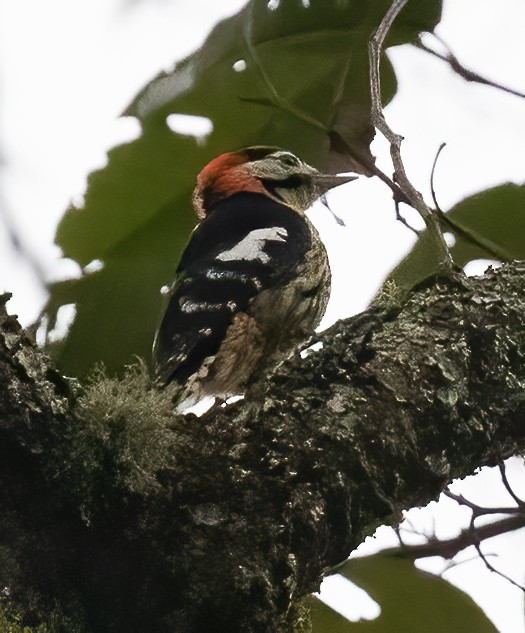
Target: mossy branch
(118, 515)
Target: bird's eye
(289, 160)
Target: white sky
(67, 69)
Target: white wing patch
(252, 246)
(189, 306)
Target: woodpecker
(254, 279)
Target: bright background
(68, 69)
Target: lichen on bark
(134, 518)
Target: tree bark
(118, 515)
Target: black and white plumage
(253, 281)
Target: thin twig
(403, 220)
(477, 534)
(467, 233)
(471, 536)
(508, 487)
(375, 47)
(432, 190)
(496, 571)
(452, 564)
(466, 73)
(324, 201)
(478, 510)
(448, 548)
(397, 531)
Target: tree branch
(448, 548)
(375, 49)
(132, 518)
(465, 73)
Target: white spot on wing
(189, 306)
(252, 246)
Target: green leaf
(305, 87)
(488, 225)
(411, 601)
(326, 620)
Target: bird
(253, 281)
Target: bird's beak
(325, 182)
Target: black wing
(248, 243)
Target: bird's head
(271, 171)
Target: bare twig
(496, 571)
(451, 547)
(471, 536)
(403, 220)
(508, 487)
(432, 190)
(478, 511)
(515, 521)
(452, 564)
(467, 233)
(324, 201)
(467, 74)
(375, 47)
